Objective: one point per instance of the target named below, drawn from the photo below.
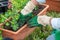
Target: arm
(46, 20)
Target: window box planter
(24, 31)
(54, 5)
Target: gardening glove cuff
(55, 22)
(41, 1)
(44, 20)
(57, 35)
(28, 8)
(24, 18)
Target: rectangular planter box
(24, 31)
(54, 5)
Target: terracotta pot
(54, 5)
(24, 31)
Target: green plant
(15, 27)
(1, 38)
(17, 5)
(3, 18)
(7, 24)
(13, 13)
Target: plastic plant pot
(54, 5)
(24, 31)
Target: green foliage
(13, 13)
(15, 27)
(19, 4)
(1, 38)
(7, 24)
(16, 5)
(40, 33)
(54, 14)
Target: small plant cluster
(1, 38)
(13, 13)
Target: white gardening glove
(39, 21)
(28, 8)
(44, 20)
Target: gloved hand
(23, 19)
(39, 21)
(26, 13)
(33, 22)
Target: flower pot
(24, 31)
(54, 5)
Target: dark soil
(3, 9)
(8, 27)
(35, 11)
(38, 9)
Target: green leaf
(7, 23)
(1, 38)
(15, 27)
